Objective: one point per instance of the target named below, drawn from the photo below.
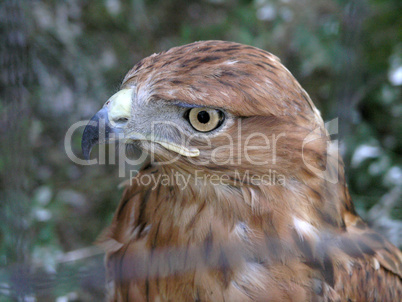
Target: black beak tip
(86, 152)
(99, 124)
(90, 137)
(86, 147)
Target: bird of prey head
(252, 210)
(194, 99)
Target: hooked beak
(108, 123)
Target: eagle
(241, 196)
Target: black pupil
(203, 117)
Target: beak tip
(86, 157)
(86, 151)
(90, 136)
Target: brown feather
(299, 240)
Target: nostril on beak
(119, 122)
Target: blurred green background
(61, 60)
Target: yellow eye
(205, 119)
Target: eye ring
(205, 119)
